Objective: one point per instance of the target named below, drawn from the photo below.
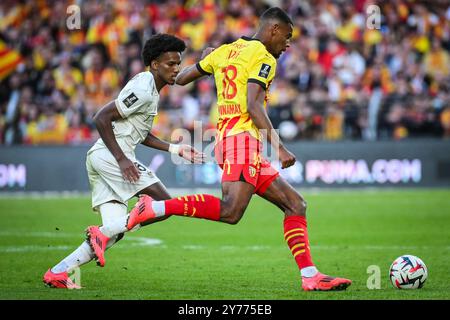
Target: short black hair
(158, 44)
(277, 14)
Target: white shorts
(107, 182)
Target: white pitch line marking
(141, 241)
(193, 247)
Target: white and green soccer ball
(408, 272)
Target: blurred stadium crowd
(339, 79)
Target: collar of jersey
(249, 39)
(254, 39)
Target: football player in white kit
(115, 175)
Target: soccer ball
(408, 272)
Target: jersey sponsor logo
(264, 71)
(229, 109)
(130, 100)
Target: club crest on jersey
(264, 71)
(130, 100)
(252, 171)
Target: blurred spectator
(334, 123)
(78, 132)
(339, 79)
(436, 62)
(12, 133)
(102, 81)
(67, 78)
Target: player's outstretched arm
(192, 73)
(255, 106)
(183, 150)
(187, 75)
(103, 121)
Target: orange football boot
(98, 241)
(59, 280)
(141, 212)
(322, 282)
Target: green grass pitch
(185, 258)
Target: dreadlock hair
(158, 44)
(277, 14)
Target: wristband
(174, 148)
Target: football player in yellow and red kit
(243, 72)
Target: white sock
(159, 207)
(309, 272)
(115, 227)
(83, 254)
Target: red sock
(296, 236)
(198, 206)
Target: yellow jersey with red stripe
(233, 66)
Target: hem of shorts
(95, 207)
(266, 184)
(128, 197)
(144, 188)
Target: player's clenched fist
(287, 158)
(129, 170)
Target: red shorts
(240, 158)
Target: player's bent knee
(296, 206)
(303, 206)
(231, 215)
(233, 219)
